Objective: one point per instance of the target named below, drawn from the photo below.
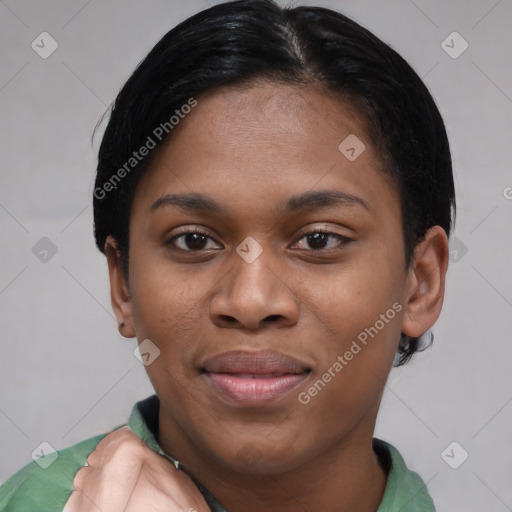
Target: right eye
(192, 241)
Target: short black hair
(238, 42)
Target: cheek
(166, 308)
(358, 330)
(170, 318)
(352, 298)
(357, 318)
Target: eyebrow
(307, 201)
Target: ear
(426, 283)
(119, 292)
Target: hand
(125, 475)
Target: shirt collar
(405, 490)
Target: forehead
(304, 117)
(257, 144)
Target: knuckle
(117, 446)
(127, 448)
(81, 477)
(123, 435)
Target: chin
(261, 458)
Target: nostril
(229, 319)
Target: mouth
(254, 378)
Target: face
(268, 268)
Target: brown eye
(317, 240)
(322, 240)
(192, 241)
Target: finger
(175, 498)
(179, 486)
(107, 485)
(81, 477)
(81, 502)
(109, 444)
(73, 503)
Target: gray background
(66, 374)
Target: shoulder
(46, 484)
(405, 489)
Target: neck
(331, 484)
(347, 477)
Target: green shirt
(34, 489)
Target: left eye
(320, 240)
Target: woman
(274, 194)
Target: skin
(124, 474)
(250, 149)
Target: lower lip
(247, 391)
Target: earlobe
(119, 291)
(426, 283)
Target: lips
(254, 378)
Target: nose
(253, 296)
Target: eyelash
(343, 240)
